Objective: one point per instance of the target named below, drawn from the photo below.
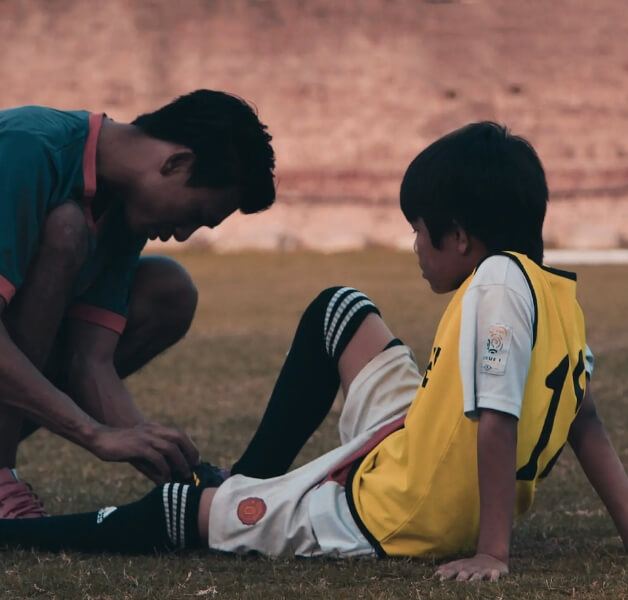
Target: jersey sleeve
(106, 301)
(496, 338)
(589, 361)
(26, 185)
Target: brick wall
(351, 90)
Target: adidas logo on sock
(103, 513)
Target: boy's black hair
(484, 179)
(230, 144)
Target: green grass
(215, 384)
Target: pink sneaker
(17, 499)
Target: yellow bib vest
(417, 492)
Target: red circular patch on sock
(251, 510)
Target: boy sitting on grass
(431, 465)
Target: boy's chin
(441, 288)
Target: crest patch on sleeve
(496, 350)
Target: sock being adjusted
(308, 381)
(165, 519)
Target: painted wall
(353, 89)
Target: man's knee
(164, 289)
(65, 235)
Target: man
(79, 309)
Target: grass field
(215, 384)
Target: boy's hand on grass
(480, 566)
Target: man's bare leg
(162, 306)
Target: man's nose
(183, 233)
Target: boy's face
(167, 207)
(445, 268)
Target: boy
(80, 310)
(431, 472)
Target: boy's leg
(165, 519)
(369, 340)
(35, 313)
(180, 517)
(305, 511)
(339, 333)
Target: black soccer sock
(165, 519)
(308, 382)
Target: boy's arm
(497, 450)
(600, 463)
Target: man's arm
(156, 450)
(96, 386)
(600, 463)
(92, 377)
(497, 454)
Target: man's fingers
(189, 449)
(173, 455)
(154, 473)
(161, 453)
(187, 453)
(154, 465)
(145, 468)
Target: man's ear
(177, 162)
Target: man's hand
(161, 453)
(480, 566)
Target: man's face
(171, 208)
(445, 268)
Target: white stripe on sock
(184, 498)
(345, 321)
(330, 308)
(167, 509)
(175, 504)
(337, 314)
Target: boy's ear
(177, 162)
(463, 240)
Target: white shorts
(292, 514)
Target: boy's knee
(65, 235)
(337, 313)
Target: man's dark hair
(484, 179)
(231, 145)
